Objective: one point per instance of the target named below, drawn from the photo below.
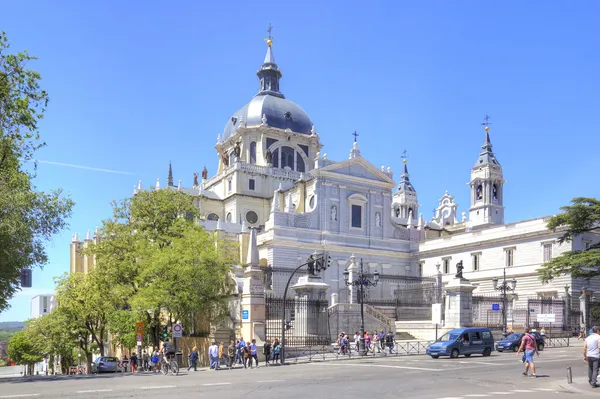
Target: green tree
(57, 337)
(583, 216)
(25, 349)
(159, 261)
(29, 217)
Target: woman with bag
(193, 359)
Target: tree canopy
(583, 216)
(28, 217)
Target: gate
(306, 320)
(484, 313)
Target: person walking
(242, 348)
(253, 353)
(193, 359)
(213, 355)
(276, 350)
(155, 359)
(375, 342)
(145, 361)
(232, 351)
(221, 354)
(382, 336)
(389, 340)
(134, 362)
(267, 352)
(247, 356)
(591, 355)
(529, 346)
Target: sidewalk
(580, 385)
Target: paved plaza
(496, 376)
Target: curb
(574, 389)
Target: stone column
(253, 295)
(353, 269)
(584, 307)
(459, 303)
(310, 321)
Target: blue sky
(135, 85)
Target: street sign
(495, 306)
(176, 330)
(436, 313)
(245, 315)
(139, 328)
(139, 337)
(546, 318)
(532, 310)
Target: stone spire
(355, 152)
(139, 186)
(410, 222)
(405, 183)
(135, 191)
(486, 156)
(157, 184)
(170, 176)
(88, 236)
(421, 223)
(275, 205)
(252, 249)
(290, 203)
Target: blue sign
(245, 315)
(495, 306)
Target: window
(357, 216)
(421, 264)
(228, 217)
(479, 192)
(475, 261)
(251, 184)
(253, 152)
(446, 265)
(587, 244)
(251, 217)
(275, 158)
(486, 335)
(311, 202)
(547, 252)
(287, 157)
(229, 185)
(212, 216)
(495, 192)
(300, 164)
(509, 254)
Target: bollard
(569, 375)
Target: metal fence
(306, 320)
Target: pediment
(357, 168)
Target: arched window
(287, 157)
(299, 164)
(276, 158)
(495, 192)
(229, 217)
(479, 192)
(212, 216)
(253, 152)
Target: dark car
(105, 364)
(513, 342)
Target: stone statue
(237, 150)
(377, 219)
(269, 156)
(195, 179)
(397, 212)
(459, 269)
(311, 266)
(204, 173)
(268, 278)
(225, 159)
(333, 213)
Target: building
(41, 305)
(273, 175)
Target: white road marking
(217, 383)
(160, 387)
(24, 395)
(475, 362)
(453, 397)
(260, 382)
(544, 389)
(94, 390)
(380, 365)
(522, 390)
(476, 395)
(501, 393)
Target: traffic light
(26, 278)
(165, 333)
(328, 258)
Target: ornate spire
(253, 258)
(275, 205)
(487, 155)
(269, 73)
(157, 184)
(170, 176)
(405, 183)
(355, 151)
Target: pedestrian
(267, 352)
(382, 336)
(124, 362)
(367, 342)
(242, 348)
(155, 359)
(253, 353)
(529, 346)
(221, 353)
(543, 333)
(233, 354)
(134, 361)
(145, 361)
(582, 331)
(276, 350)
(357, 341)
(193, 359)
(389, 340)
(591, 355)
(213, 355)
(375, 342)
(247, 358)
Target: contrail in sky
(70, 165)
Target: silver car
(105, 364)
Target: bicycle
(169, 365)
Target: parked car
(513, 341)
(105, 364)
(463, 341)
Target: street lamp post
(504, 287)
(361, 282)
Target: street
(408, 377)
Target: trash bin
(179, 358)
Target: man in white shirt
(591, 355)
(213, 355)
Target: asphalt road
(421, 377)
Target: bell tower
(487, 186)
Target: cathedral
(273, 175)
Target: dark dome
(279, 112)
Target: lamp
(513, 284)
(376, 276)
(346, 276)
(495, 282)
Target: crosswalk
(500, 393)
